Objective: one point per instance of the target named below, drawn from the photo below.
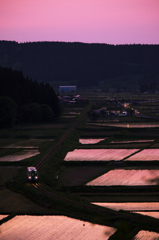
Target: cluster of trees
(25, 100)
(85, 64)
(150, 82)
(149, 87)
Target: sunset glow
(104, 21)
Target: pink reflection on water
(140, 141)
(98, 154)
(129, 125)
(3, 216)
(146, 235)
(19, 156)
(130, 206)
(90, 141)
(31, 143)
(53, 227)
(126, 178)
(145, 155)
(150, 214)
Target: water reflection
(90, 141)
(128, 125)
(145, 155)
(135, 141)
(142, 235)
(3, 216)
(130, 206)
(99, 154)
(122, 177)
(53, 227)
(32, 143)
(20, 156)
(150, 214)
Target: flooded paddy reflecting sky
(20, 156)
(53, 227)
(90, 141)
(122, 177)
(98, 154)
(130, 206)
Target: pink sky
(91, 21)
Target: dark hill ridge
(80, 63)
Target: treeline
(150, 86)
(25, 100)
(82, 64)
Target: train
(32, 174)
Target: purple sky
(91, 21)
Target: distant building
(112, 90)
(67, 88)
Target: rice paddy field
(3, 216)
(52, 227)
(145, 155)
(150, 209)
(145, 207)
(122, 177)
(90, 141)
(99, 154)
(146, 235)
(150, 214)
(114, 166)
(8, 172)
(24, 143)
(128, 125)
(19, 156)
(135, 141)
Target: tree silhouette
(8, 112)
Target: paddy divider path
(147, 147)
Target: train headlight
(36, 177)
(29, 177)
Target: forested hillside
(25, 100)
(83, 64)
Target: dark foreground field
(73, 197)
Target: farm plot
(11, 202)
(146, 235)
(19, 156)
(3, 216)
(123, 177)
(150, 214)
(98, 154)
(129, 125)
(32, 143)
(155, 145)
(90, 141)
(130, 206)
(53, 227)
(77, 175)
(145, 155)
(135, 141)
(74, 113)
(7, 173)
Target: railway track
(92, 207)
(39, 165)
(127, 215)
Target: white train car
(32, 174)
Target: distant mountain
(83, 64)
